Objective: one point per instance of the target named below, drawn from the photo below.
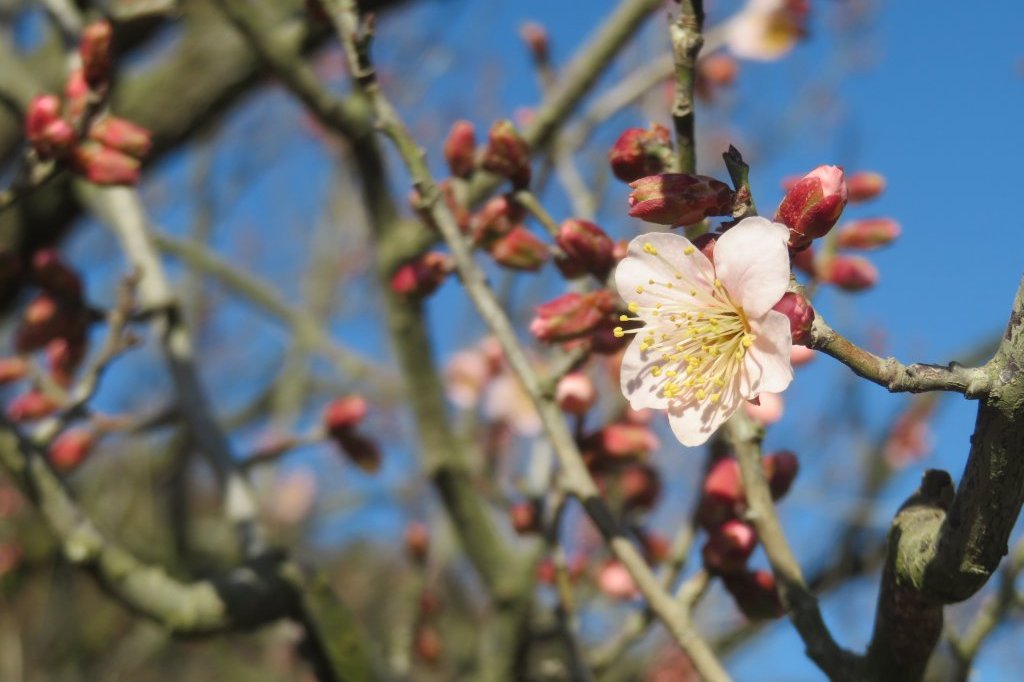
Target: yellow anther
(701, 394)
(656, 371)
(633, 307)
(748, 340)
(715, 397)
(649, 248)
(693, 292)
(689, 250)
(718, 283)
(618, 332)
(639, 290)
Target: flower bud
(525, 517)
(31, 406)
(422, 276)
(48, 133)
(536, 38)
(361, 450)
(417, 541)
(722, 493)
(14, 368)
(345, 414)
(728, 547)
(572, 315)
(639, 153)
(520, 250)
(655, 546)
(864, 186)
(587, 245)
(122, 135)
(679, 198)
(427, 644)
(51, 273)
(71, 448)
(625, 440)
(803, 260)
(104, 166)
(41, 322)
(800, 313)
(76, 96)
(781, 469)
(869, 233)
(812, 206)
(507, 154)
(95, 51)
(800, 355)
(460, 149)
(755, 594)
(496, 219)
(714, 72)
(640, 486)
(705, 243)
(615, 581)
(850, 273)
(765, 409)
(65, 356)
(575, 393)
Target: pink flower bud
(496, 219)
(105, 166)
(813, 205)
(655, 546)
(345, 414)
(417, 541)
(722, 494)
(850, 273)
(507, 154)
(360, 450)
(71, 448)
(640, 486)
(427, 644)
(803, 260)
(781, 469)
(525, 517)
(869, 233)
(587, 245)
(572, 315)
(94, 49)
(122, 135)
(864, 186)
(65, 356)
(615, 581)
(800, 355)
(13, 369)
(766, 409)
(42, 321)
(800, 313)
(536, 38)
(460, 149)
(714, 72)
(42, 111)
(729, 546)
(626, 440)
(76, 95)
(48, 133)
(51, 273)
(679, 198)
(31, 406)
(421, 277)
(520, 250)
(575, 393)
(755, 594)
(639, 153)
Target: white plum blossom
(765, 30)
(710, 339)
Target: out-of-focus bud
(850, 273)
(575, 393)
(705, 243)
(755, 594)
(361, 450)
(766, 30)
(10, 557)
(104, 166)
(71, 448)
(536, 38)
(640, 486)
(51, 273)
(729, 546)
(722, 494)
(911, 436)
(679, 198)
(76, 96)
(766, 409)
(803, 260)
(800, 313)
(869, 233)
(122, 135)
(95, 51)
(460, 149)
(520, 249)
(507, 154)
(800, 355)
(427, 644)
(713, 73)
(65, 356)
(465, 377)
(812, 206)
(496, 219)
(572, 315)
(587, 246)
(417, 541)
(421, 277)
(48, 133)
(41, 322)
(864, 186)
(656, 547)
(31, 406)
(639, 153)
(12, 369)
(345, 414)
(525, 517)
(625, 440)
(615, 581)
(781, 469)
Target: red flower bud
(850, 273)
(624, 440)
(94, 49)
(12, 369)
(41, 322)
(714, 72)
(781, 469)
(345, 414)
(496, 219)
(76, 95)
(51, 273)
(869, 233)
(48, 133)
(639, 153)
(729, 546)
(525, 517)
(65, 356)
(865, 185)
(507, 154)
(104, 166)
(615, 581)
(800, 313)
(460, 149)
(755, 594)
(812, 206)
(360, 449)
(31, 406)
(572, 315)
(722, 495)
(71, 448)
(679, 198)
(588, 246)
(417, 541)
(427, 644)
(803, 260)
(536, 38)
(122, 135)
(422, 276)
(520, 250)
(655, 546)
(640, 486)
(575, 393)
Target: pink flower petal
(752, 260)
(766, 366)
(693, 422)
(669, 259)
(639, 386)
